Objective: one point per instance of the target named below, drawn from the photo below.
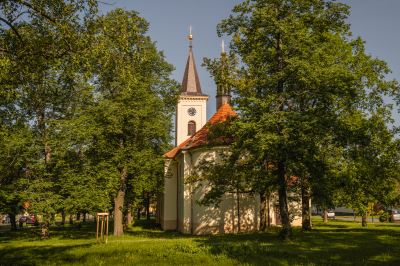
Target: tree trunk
(283, 207)
(309, 199)
(148, 207)
(53, 220)
(263, 212)
(71, 220)
(119, 204)
(45, 227)
(47, 218)
(78, 216)
(129, 215)
(138, 213)
(305, 201)
(84, 217)
(269, 211)
(125, 221)
(282, 182)
(364, 220)
(13, 223)
(62, 217)
(40, 111)
(325, 216)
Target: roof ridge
(200, 137)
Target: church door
(278, 215)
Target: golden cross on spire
(223, 46)
(190, 35)
(190, 28)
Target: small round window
(192, 111)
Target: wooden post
(104, 227)
(104, 232)
(97, 231)
(107, 230)
(237, 195)
(309, 202)
(101, 232)
(269, 222)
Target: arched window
(191, 128)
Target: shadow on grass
(38, 255)
(68, 231)
(64, 247)
(149, 228)
(335, 243)
(326, 244)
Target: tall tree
(300, 74)
(35, 33)
(44, 102)
(42, 45)
(135, 98)
(370, 169)
(15, 143)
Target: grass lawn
(5, 226)
(351, 216)
(334, 243)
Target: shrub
(385, 217)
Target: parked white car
(331, 214)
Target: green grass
(5, 227)
(334, 243)
(351, 216)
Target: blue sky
(376, 21)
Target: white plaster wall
(186, 193)
(224, 218)
(294, 208)
(183, 118)
(168, 211)
(181, 191)
(227, 213)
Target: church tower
(223, 92)
(191, 109)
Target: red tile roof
(200, 138)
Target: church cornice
(184, 98)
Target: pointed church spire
(191, 82)
(223, 91)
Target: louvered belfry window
(191, 128)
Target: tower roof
(191, 82)
(200, 137)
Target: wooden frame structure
(105, 215)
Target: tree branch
(41, 12)
(6, 51)
(12, 27)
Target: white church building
(176, 208)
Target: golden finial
(190, 35)
(223, 45)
